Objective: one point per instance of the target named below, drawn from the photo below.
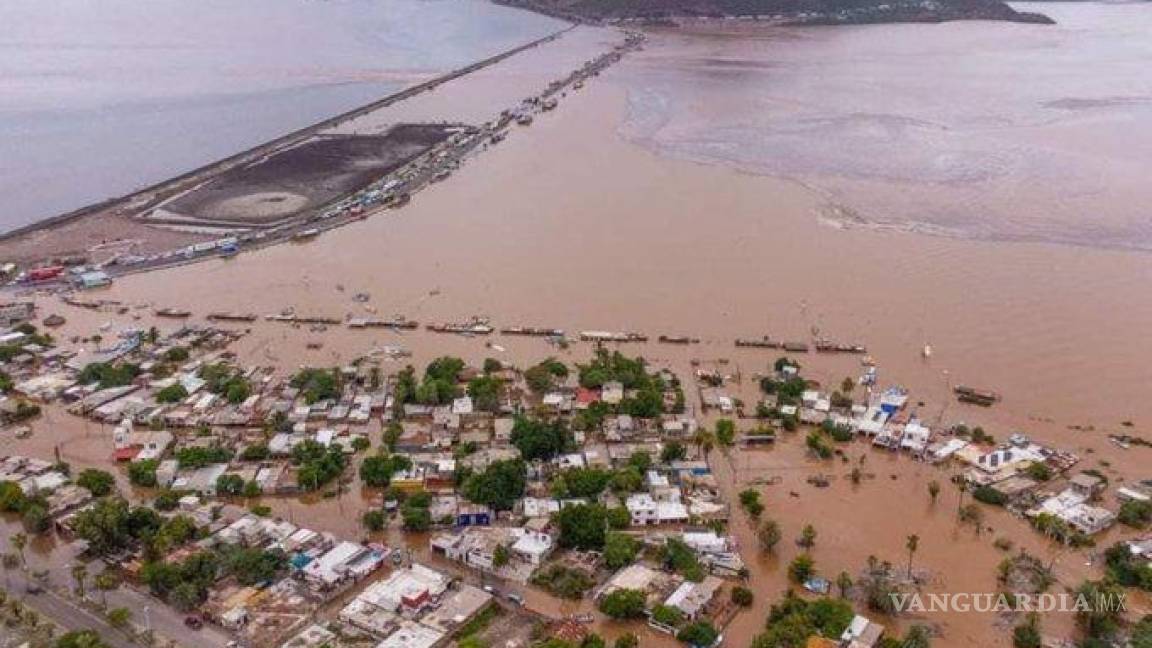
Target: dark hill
(809, 12)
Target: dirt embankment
(318, 171)
(803, 12)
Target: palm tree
(844, 583)
(9, 561)
(933, 489)
(104, 582)
(963, 487)
(769, 535)
(705, 441)
(79, 573)
(807, 537)
(912, 545)
(847, 386)
(19, 541)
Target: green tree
(624, 604)
(373, 520)
(1101, 618)
(540, 439)
(769, 535)
(377, 470)
(98, 482)
(582, 526)
(668, 616)
(105, 582)
(844, 584)
(80, 639)
(36, 518)
(916, 637)
(1027, 634)
(742, 596)
(119, 617)
(750, 502)
(801, 568)
(229, 485)
(485, 392)
(185, 597)
(105, 526)
(392, 435)
(619, 550)
(143, 473)
(501, 556)
(252, 489)
(627, 640)
(807, 537)
(255, 452)
(912, 544)
(19, 541)
(699, 633)
(1135, 513)
(12, 498)
(1141, 636)
(673, 451)
(79, 575)
(173, 393)
(500, 485)
(933, 489)
(726, 432)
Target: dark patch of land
(307, 176)
(803, 12)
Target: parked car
(194, 622)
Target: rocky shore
(803, 12)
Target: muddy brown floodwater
(567, 224)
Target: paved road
(58, 561)
(65, 613)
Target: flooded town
(482, 365)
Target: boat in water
(175, 313)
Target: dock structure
(829, 346)
(227, 316)
(612, 336)
(533, 331)
(473, 326)
(678, 339)
(396, 323)
(289, 318)
(760, 343)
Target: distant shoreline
(158, 191)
